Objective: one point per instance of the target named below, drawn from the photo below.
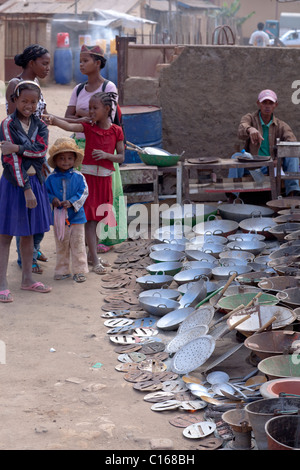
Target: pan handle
(265, 326)
(241, 320)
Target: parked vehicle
(289, 39)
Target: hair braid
(32, 52)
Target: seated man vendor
(260, 130)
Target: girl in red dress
(104, 145)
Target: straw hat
(65, 144)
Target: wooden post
(122, 59)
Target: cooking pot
(162, 292)
(166, 267)
(283, 203)
(285, 251)
(172, 232)
(241, 211)
(190, 275)
(224, 272)
(206, 238)
(158, 306)
(281, 230)
(188, 214)
(239, 254)
(167, 255)
(154, 281)
(245, 237)
(193, 295)
(216, 227)
(198, 255)
(290, 296)
(168, 246)
(254, 247)
(260, 225)
(173, 319)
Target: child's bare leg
(26, 249)
(91, 241)
(5, 241)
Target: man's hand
(255, 136)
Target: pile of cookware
(220, 278)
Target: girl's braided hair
(32, 52)
(107, 99)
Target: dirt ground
(59, 386)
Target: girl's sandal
(99, 269)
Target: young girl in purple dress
(25, 208)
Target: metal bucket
(261, 411)
(283, 433)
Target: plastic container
(112, 66)
(143, 127)
(84, 39)
(63, 65)
(62, 40)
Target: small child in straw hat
(67, 191)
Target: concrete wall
(207, 89)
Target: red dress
(99, 203)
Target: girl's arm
(11, 106)
(58, 122)
(116, 157)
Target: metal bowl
(168, 246)
(260, 225)
(190, 275)
(237, 254)
(246, 237)
(233, 301)
(172, 320)
(254, 247)
(216, 227)
(158, 306)
(281, 230)
(154, 281)
(193, 296)
(279, 367)
(162, 293)
(224, 272)
(272, 343)
(189, 214)
(168, 267)
(242, 211)
(176, 232)
(197, 255)
(207, 238)
(167, 255)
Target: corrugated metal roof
(164, 5)
(54, 7)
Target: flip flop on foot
(42, 257)
(79, 277)
(5, 296)
(99, 269)
(103, 248)
(36, 269)
(37, 287)
(61, 277)
(104, 263)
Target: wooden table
(223, 184)
(290, 150)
